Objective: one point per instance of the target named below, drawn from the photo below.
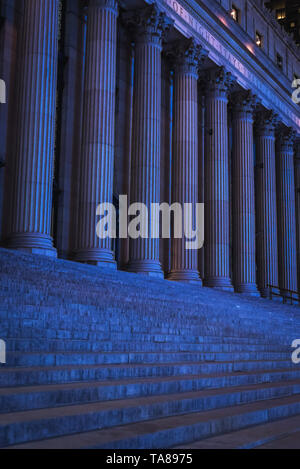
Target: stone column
(124, 112)
(217, 267)
(166, 150)
(9, 17)
(266, 205)
(244, 261)
(297, 194)
(188, 56)
(287, 244)
(150, 25)
(34, 134)
(201, 167)
(70, 130)
(98, 137)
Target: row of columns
(30, 225)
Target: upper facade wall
(233, 45)
(254, 16)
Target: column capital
(266, 121)
(217, 82)
(108, 4)
(286, 138)
(148, 25)
(244, 103)
(187, 56)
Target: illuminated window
(258, 39)
(293, 24)
(280, 14)
(279, 61)
(235, 14)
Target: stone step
(93, 358)
(32, 328)
(89, 348)
(157, 305)
(156, 313)
(46, 340)
(164, 310)
(43, 396)
(162, 432)
(11, 377)
(102, 332)
(25, 330)
(75, 345)
(258, 436)
(291, 441)
(63, 267)
(69, 323)
(36, 265)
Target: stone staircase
(105, 359)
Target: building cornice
(191, 20)
(269, 15)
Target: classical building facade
(288, 14)
(172, 101)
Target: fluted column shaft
(243, 215)
(217, 267)
(34, 135)
(146, 144)
(184, 262)
(98, 137)
(287, 244)
(297, 195)
(8, 59)
(267, 244)
(124, 127)
(201, 167)
(166, 147)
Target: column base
(97, 257)
(249, 289)
(265, 293)
(287, 300)
(187, 276)
(219, 283)
(33, 243)
(146, 267)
